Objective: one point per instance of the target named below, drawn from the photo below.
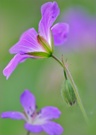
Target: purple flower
(82, 29)
(36, 121)
(39, 45)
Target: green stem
(28, 133)
(74, 87)
(65, 75)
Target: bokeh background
(44, 77)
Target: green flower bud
(68, 93)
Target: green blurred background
(44, 77)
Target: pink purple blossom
(82, 29)
(39, 45)
(36, 122)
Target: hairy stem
(65, 68)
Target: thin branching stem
(65, 68)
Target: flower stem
(28, 133)
(74, 87)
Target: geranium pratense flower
(39, 45)
(36, 121)
(82, 34)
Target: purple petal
(45, 7)
(49, 11)
(52, 128)
(60, 32)
(27, 43)
(13, 64)
(13, 115)
(82, 29)
(50, 113)
(27, 100)
(33, 128)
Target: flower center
(44, 44)
(35, 118)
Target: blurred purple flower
(82, 29)
(36, 121)
(39, 45)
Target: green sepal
(52, 41)
(45, 45)
(68, 93)
(40, 54)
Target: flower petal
(49, 12)
(33, 128)
(28, 43)
(45, 7)
(13, 115)
(50, 113)
(60, 33)
(27, 100)
(52, 128)
(13, 64)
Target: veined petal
(45, 7)
(60, 33)
(13, 64)
(52, 128)
(28, 43)
(27, 100)
(33, 128)
(50, 12)
(50, 113)
(13, 115)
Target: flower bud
(68, 93)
